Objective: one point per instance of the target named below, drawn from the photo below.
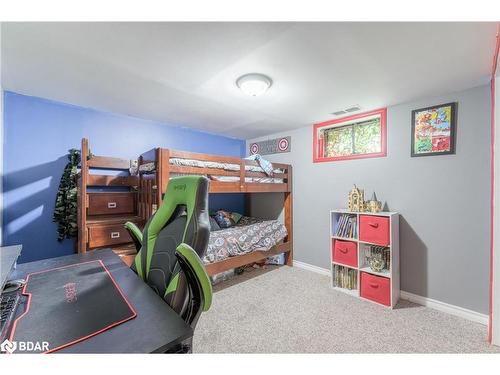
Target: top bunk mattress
(150, 167)
(218, 165)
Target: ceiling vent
(338, 113)
(354, 108)
(350, 109)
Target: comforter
(250, 234)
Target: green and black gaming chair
(172, 245)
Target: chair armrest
(191, 259)
(135, 233)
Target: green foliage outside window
(358, 138)
(338, 141)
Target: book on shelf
(344, 277)
(346, 226)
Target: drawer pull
(374, 225)
(115, 234)
(375, 286)
(343, 250)
(111, 204)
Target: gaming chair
(171, 247)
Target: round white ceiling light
(254, 84)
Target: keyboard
(8, 305)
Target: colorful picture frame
(433, 130)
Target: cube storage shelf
(376, 232)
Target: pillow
(213, 225)
(224, 219)
(236, 217)
(266, 165)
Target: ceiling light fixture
(254, 84)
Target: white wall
(444, 201)
(495, 332)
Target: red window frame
(318, 143)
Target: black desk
(156, 328)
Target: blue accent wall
(37, 136)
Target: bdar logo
(8, 346)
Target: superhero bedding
(247, 235)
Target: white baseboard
(424, 301)
(310, 267)
(446, 307)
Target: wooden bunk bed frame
(105, 229)
(152, 185)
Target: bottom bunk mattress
(250, 234)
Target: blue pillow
(224, 219)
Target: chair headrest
(190, 191)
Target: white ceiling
(184, 73)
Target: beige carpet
(291, 310)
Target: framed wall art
(433, 130)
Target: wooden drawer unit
(345, 252)
(111, 203)
(376, 288)
(374, 229)
(107, 235)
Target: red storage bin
(345, 252)
(376, 288)
(374, 229)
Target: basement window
(354, 137)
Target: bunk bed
(103, 209)
(227, 175)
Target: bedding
(217, 165)
(147, 167)
(250, 234)
(150, 167)
(261, 180)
